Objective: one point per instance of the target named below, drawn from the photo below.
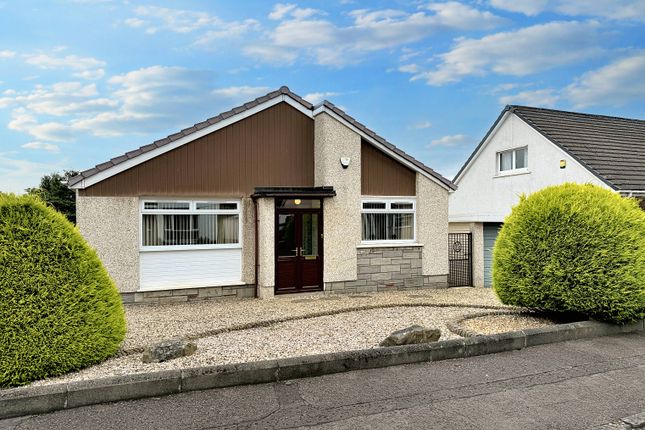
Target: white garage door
(490, 236)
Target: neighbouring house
(529, 148)
(275, 196)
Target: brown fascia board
(387, 144)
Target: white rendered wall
(483, 196)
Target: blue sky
(82, 81)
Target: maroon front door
(298, 250)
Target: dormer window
(513, 159)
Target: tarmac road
(571, 385)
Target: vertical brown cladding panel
(274, 147)
(381, 175)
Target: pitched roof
(243, 108)
(611, 148)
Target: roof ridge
(515, 107)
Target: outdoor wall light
(297, 201)
(344, 161)
(563, 164)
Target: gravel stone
(242, 330)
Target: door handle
(297, 251)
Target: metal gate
(460, 259)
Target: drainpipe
(257, 246)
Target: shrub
(59, 309)
(573, 248)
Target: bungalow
(272, 197)
(530, 148)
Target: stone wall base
(189, 294)
(414, 282)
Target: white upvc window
(170, 225)
(512, 160)
(388, 220)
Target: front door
(298, 238)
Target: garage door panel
(491, 230)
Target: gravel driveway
(151, 323)
(234, 331)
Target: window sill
(189, 248)
(389, 245)
(512, 173)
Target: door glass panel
(309, 235)
(286, 235)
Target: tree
(53, 189)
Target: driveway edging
(48, 398)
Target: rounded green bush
(59, 309)
(573, 248)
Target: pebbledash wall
(111, 225)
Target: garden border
(48, 398)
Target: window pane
(309, 235)
(520, 158)
(374, 226)
(228, 206)
(401, 226)
(207, 206)
(373, 205)
(505, 161)
(167, 205)
(403, 206)
(227, 228)
(183, 230)
(298, 203)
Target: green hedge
(573, 248)
(59, 309)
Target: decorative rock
(168, 350)
(411, 335)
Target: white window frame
(388, 210)
(191, 211)
(513, 170)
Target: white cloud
(301, 34)
(134, 22)
(153, 18)
(49, 147)
(158, 98)
(18, 174)
(149, 100)
(612, 9)
(517, 53)
(450, 140)
(280, 10)
(7, 54)
(422, 125)
(317, 97)
(617, 83)
(409, 68)
(84, 67)
(545, 98)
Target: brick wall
(391, 268)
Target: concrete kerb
(48, 398)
